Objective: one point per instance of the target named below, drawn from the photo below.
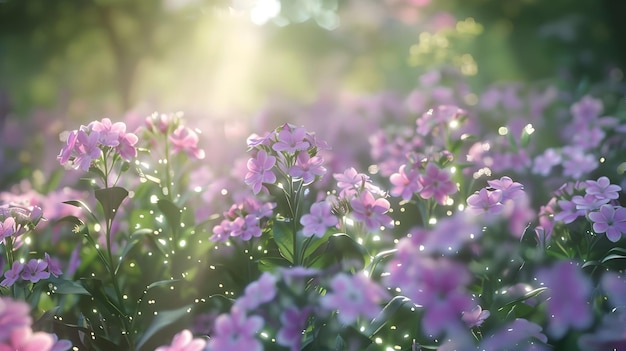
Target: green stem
(168, 176)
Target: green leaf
(111, 199)
(162, 320)
(385, 315)
(162, 283)
(67, 287)
(80, 204)
(612, 257)
(283, 237)
(345, 248)
(171, 212)
(524, 138)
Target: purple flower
(293, 322)
(510, 190)
(609, 335)
(405, 184)
(260, 171)
(448, 235)
(126, 147)
(184, 341)
(291, 139)
(54, 266)
(371, 211)
(485, 201)
(258, 292)
(587, 109)
(60, 345)
(7, 228)
(610, 220)
(614, 286)
(588, 202)
(87, 149)
(68, 148)
(13, 314)
(235, 331)
(222, 231)
(567, 305)
(514, 335)
(109, 133)
(568, 213)
(543, 163)
(11, 275)
(353, 296)
(436, 183)
(246, 228)
(186, 140)
(577, 163)
(439, 286)
(307, 168)
(35, 270)
(23, 339)
(318, 220)
(475, 317)
(351, 182)
(603, 189)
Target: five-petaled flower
(260, 171)
(610, 220)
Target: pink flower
(109, 133)
(185, 139)
(184, 341)
(351, 182)
(294, 321)
(307, 168)
(318, 220)
(475, 317)
(543, 163)
(68, 148)
(260, 171)
(126, 147)
(353, 296)
(437, 184)
(246, 227)
(610, 220)
(291, 140)
(13, 315)
(7, 228)
(517, 335)
(87, 149)
(11, 275)
(35, 270)
(371, 211)
(569, 290)
(23, 339)
(235, 331)
(485, 201)
(405, 184)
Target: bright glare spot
(154, 199)
(360, 241)
(432, 220)
(376, 238)
(182, 243)
(461, 207)
(27, 241)
(529, 129)
(378, 340)
(224, 192)
(197, 189)
(454, 124)
(264, 10)
(449, 201)
(97, 227)
(503, 130)
(452, 169)
(422, 248)
(349, 222)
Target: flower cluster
(89, 143)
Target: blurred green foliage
(108, 56)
